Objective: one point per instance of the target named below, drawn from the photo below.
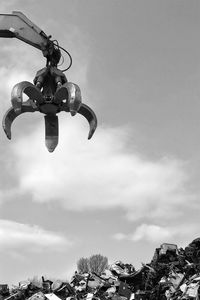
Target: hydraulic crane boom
(19, 26)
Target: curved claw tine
(72, 93)
(8, 118)
(88, 113)
(29, 89)
(51, 132)
(11, 115)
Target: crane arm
(19, 26)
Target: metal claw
(66, 98)
(72, 93)
(88, 113)
(11, 115)
(51, 132)
(29, 89)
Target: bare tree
(36, 281)
(83, 265)
(98, 263)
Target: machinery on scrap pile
(51, 92)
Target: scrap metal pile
(173, 273)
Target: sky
(135, 184)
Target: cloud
(120, 236)
(151, 233)
(26, 237)
(5, 5)
(154, 233)
(98, 174)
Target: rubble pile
(173, 273)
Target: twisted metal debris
(173, 273)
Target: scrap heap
(173, 273)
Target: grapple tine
(88, 113)
(11, 115)
(17, 94)
(72, 93)
(75, 98)
(8, 118)
(51, 132)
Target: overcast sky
(135, 184)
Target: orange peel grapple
(50, 92)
